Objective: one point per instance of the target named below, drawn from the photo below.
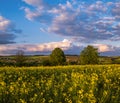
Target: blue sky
(39, 26)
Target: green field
(43, 60)
(61, 84)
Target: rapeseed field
(60, 84)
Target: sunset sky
(39, 26)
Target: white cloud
(4, 23)
(46, 47)
(103, 47)
(30, 15)
(65, 44)
(116, 9)
(43, 30)
(34, 2)
(8, 26)
(98, 6)
(7, 31)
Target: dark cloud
(116, 52)
(74, 50)
(7, 31)
(6, 38)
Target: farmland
(40, 60)
(60, 84)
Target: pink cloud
(103, 47)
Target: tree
(89, 55)
(57, 57)
(20, 58)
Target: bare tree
(20, 58)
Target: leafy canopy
(57, 57)
(89, 55)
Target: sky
(39, 26)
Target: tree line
(57, 57)
(89, 55)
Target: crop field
(60, 84)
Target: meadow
(60, 84)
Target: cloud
(67, 46)
(39, 12)
(85, 22)
(4, 24)
(91, 21)
(6, 38)
(88, 23)
(31, 15)
(103, 47)
(7, 26)
(38, 15)
(116, 9)
(43, 30)
(97, 6)
(35, 3)
(34, 48)
(115, 52)
(7, 31)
